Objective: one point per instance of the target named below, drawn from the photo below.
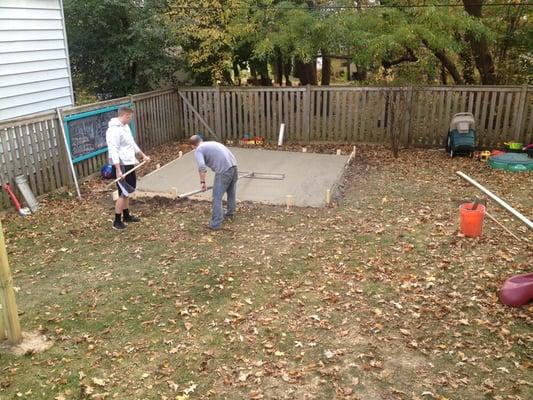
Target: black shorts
(131, 179)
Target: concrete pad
(307, 176)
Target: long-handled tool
(23, 212)
(127, 173)
(253, 175)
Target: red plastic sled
(517, 290)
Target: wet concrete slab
(307, 176)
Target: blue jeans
(225, 182)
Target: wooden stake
(2, 327)
(501, 225)
(289, 201)
(7, 296)
(328, 197)
(339, 152)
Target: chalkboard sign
(86, 131)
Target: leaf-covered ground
(379, 297)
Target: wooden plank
(528, 133)
(430, 134)
(56, 178)
(234, 116)
(363, 116)
(23, 156)
(293, 96)
(356, 115)
(306, 112)
(324, 96)
(522, 107)
(471, 101)
(279, 113)
(500, 111)
(507, 115)
(45, 161)
(11, 163)
(32, 154)
(477, 108)
(289, 129)
(185, 116)
(275, 115)
(227, 112)
(269, 123)
(343, 111)
(482, 129)
(256, 126)
(242, 114)
(190, 104)
(442, 123)
(492, 114)
(463, 96)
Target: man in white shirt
(122, 150)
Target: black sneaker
(132, 218)
(119, 225)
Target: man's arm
(202, 168)
(113, 140)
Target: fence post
(64, 161)
(7, 297)
(521, 112)
(218, 114)
(407, 138)
(407, 134)
(307, 114)
(2, 326)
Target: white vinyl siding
(34, 67)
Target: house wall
(34, 65)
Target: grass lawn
(378, 297)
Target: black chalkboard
(86, 132)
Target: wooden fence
(417, 116)
(34, 147)
(411, 116)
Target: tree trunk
(360, 74)
(326, 71)
(480, 47)
(278, 68)
(264, 75)
(447, 62)
(443, 77)
(237, 73)
(468, 66)
(306, 72)
(287, 68)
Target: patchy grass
(376, 298)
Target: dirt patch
(32, 343)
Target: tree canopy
(121, 46)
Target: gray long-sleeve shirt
(215, 156)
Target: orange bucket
(471, 221)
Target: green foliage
(119, 47)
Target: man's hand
(118, 172)
(146, 158)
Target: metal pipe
(502, 203)
(183, 195)
(72, 170)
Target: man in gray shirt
(223, 163)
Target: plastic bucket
(471, 221)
